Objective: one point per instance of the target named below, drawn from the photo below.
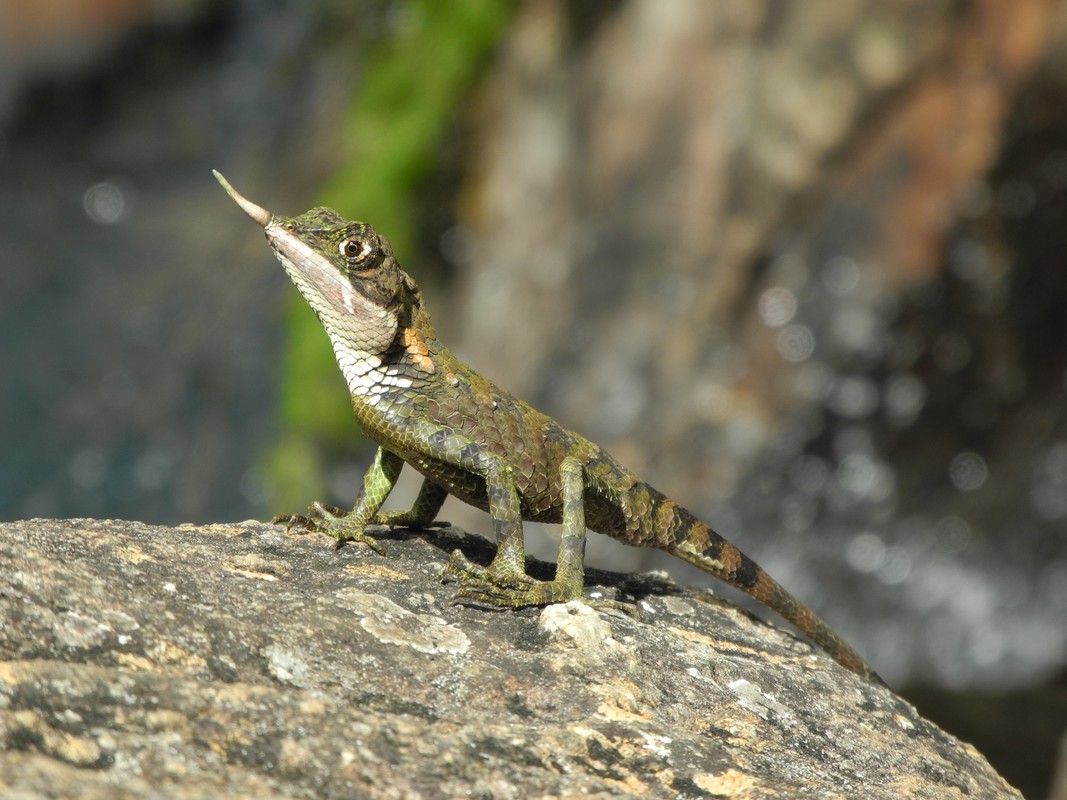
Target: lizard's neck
(382, 380)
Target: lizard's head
(346, 272)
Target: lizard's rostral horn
(260, 215)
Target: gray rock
(238, 660)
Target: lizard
(473, 440)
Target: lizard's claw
(330, 520)
(299, 521)
(315, 521)
(484, 586)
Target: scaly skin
(473, 440)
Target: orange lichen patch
(164, 652)
(252, 565)
(725, 646)
(135, 663)
(415, 345)
(732, 783)
(133, 554)
(373, 571)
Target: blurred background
(800, 265)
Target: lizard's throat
(356, 326)
(359, 330)
(369, 378)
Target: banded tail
(702, 547)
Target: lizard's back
(534, 446)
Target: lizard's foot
(499, 588)
(332, 521)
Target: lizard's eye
(355, 249)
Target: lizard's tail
(698, 544)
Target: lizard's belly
(467, 486)
(470, 488)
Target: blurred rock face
(140, 330)
(796, 264)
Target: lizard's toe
(298, 523)
(460, 568)
(329, 520)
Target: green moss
(294, 471)
(410, 93)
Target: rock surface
(237, 660)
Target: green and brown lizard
(471, 439)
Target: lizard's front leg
(504, 583)
(349, 526)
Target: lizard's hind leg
(570, 560)
(505, 584)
